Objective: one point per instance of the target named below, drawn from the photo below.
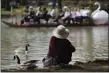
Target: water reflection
(89, 45)
(90, 42)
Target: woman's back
(62, 49)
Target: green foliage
(5, 4)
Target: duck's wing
(31, 62)
(19, 50)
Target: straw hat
(65, 7)
(61, 32)
(30, 7)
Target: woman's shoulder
(67, 40)
(53, 38)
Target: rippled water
(90, 42)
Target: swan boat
(43, 25)
(100, 16)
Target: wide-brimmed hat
(65, 7)
(61, 32)
(30, 7)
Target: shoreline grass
(91, 66)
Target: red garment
(62, 49)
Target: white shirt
(66, 14)
(85, 12)
(78, 14)
(73, 15)
(52, 12)
(38, 12)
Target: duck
(20, 50)
(99, 16)
(30, 64)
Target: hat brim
(55, 33)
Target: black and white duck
(21, 50)
(31, 64)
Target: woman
(60, 48)
(67, 15)
(61, 14)
(78, 16)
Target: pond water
(90, 42)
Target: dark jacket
(32, 13)
(61, 49)
(44, 12)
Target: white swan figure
(99, 16)
(20, 50)
(31, 64)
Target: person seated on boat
(61, 14)
(31, 12)
(31, 19)
(26, 20)
(31, 15)
(66, 16)
(85, 15)
(36, 20)
(72, 16)
(78, 15)
(45, 14)
(51, 13)
(39, 12)
(38, 15)
(60, 48)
